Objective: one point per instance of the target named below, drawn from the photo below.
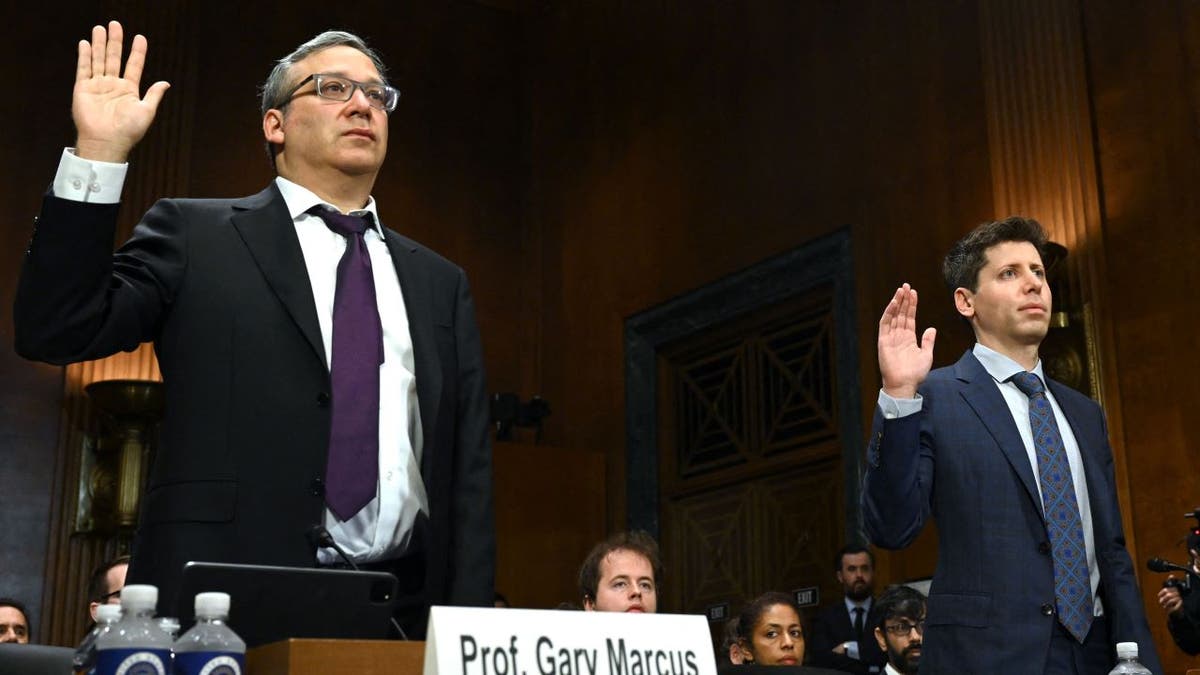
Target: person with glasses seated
(901, 628)
(104, 587)
(323, 374)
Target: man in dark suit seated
(1032, 573)
(841, 636)
(320, 370)
(899, 630)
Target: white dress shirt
(383, 529)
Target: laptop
(268, 603)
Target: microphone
(1160, 565)
(319, 537)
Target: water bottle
(210, 647)
(1127, 663)
(135, 645)
(85, 656)
(169, 625)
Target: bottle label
(132, 661)
(209, 663)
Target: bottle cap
(212, 605)
(139, 596)
(108, 612)
(1127, 650)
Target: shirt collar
(850, 605)
(1002, 368)
(300, 199)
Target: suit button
(323, 399)
(1047, 609)
(317, 487)
(1044, 548)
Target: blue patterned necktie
(1072, 582)
(352, 469)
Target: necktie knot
(1029, 384)
(341, 223)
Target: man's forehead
(12, 616)
(856, 559)
(625, 558)
(341, 60)
(1009, 252)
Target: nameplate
(485, 641)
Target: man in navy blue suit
(1032, 573)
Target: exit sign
(808, 597)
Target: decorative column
(1042, 148)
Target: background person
(622, 574)
(769, 631)
(900, 629)
(14, 622)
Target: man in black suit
(246, 303)
(841, 636)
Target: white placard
(486, 641)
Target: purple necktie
(352, 471)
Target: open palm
(110, 116)
(903, 361)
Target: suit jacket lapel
(981, 393)
(418, 292)
(266, 227)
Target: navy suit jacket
(961, 460)
(221, 288)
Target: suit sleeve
(899, 479)
(76, 299)
(1185, 629)
(473, 549)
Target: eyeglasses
(336, 88)
(902, 629)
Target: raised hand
(903, 362)
(110, 116)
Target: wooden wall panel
(549, 514)
(1143, 68)
(675, 143)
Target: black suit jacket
(221, 288)
(831, 627)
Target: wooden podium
(336, 657)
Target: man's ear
(880, 640)
(964, 302)
(273, 126)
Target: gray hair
(279, 81)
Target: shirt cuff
(893, 408)
(86, 180)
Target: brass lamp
(130, 411)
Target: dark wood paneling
(549, 514)
(1144, 62)
(673, 145)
